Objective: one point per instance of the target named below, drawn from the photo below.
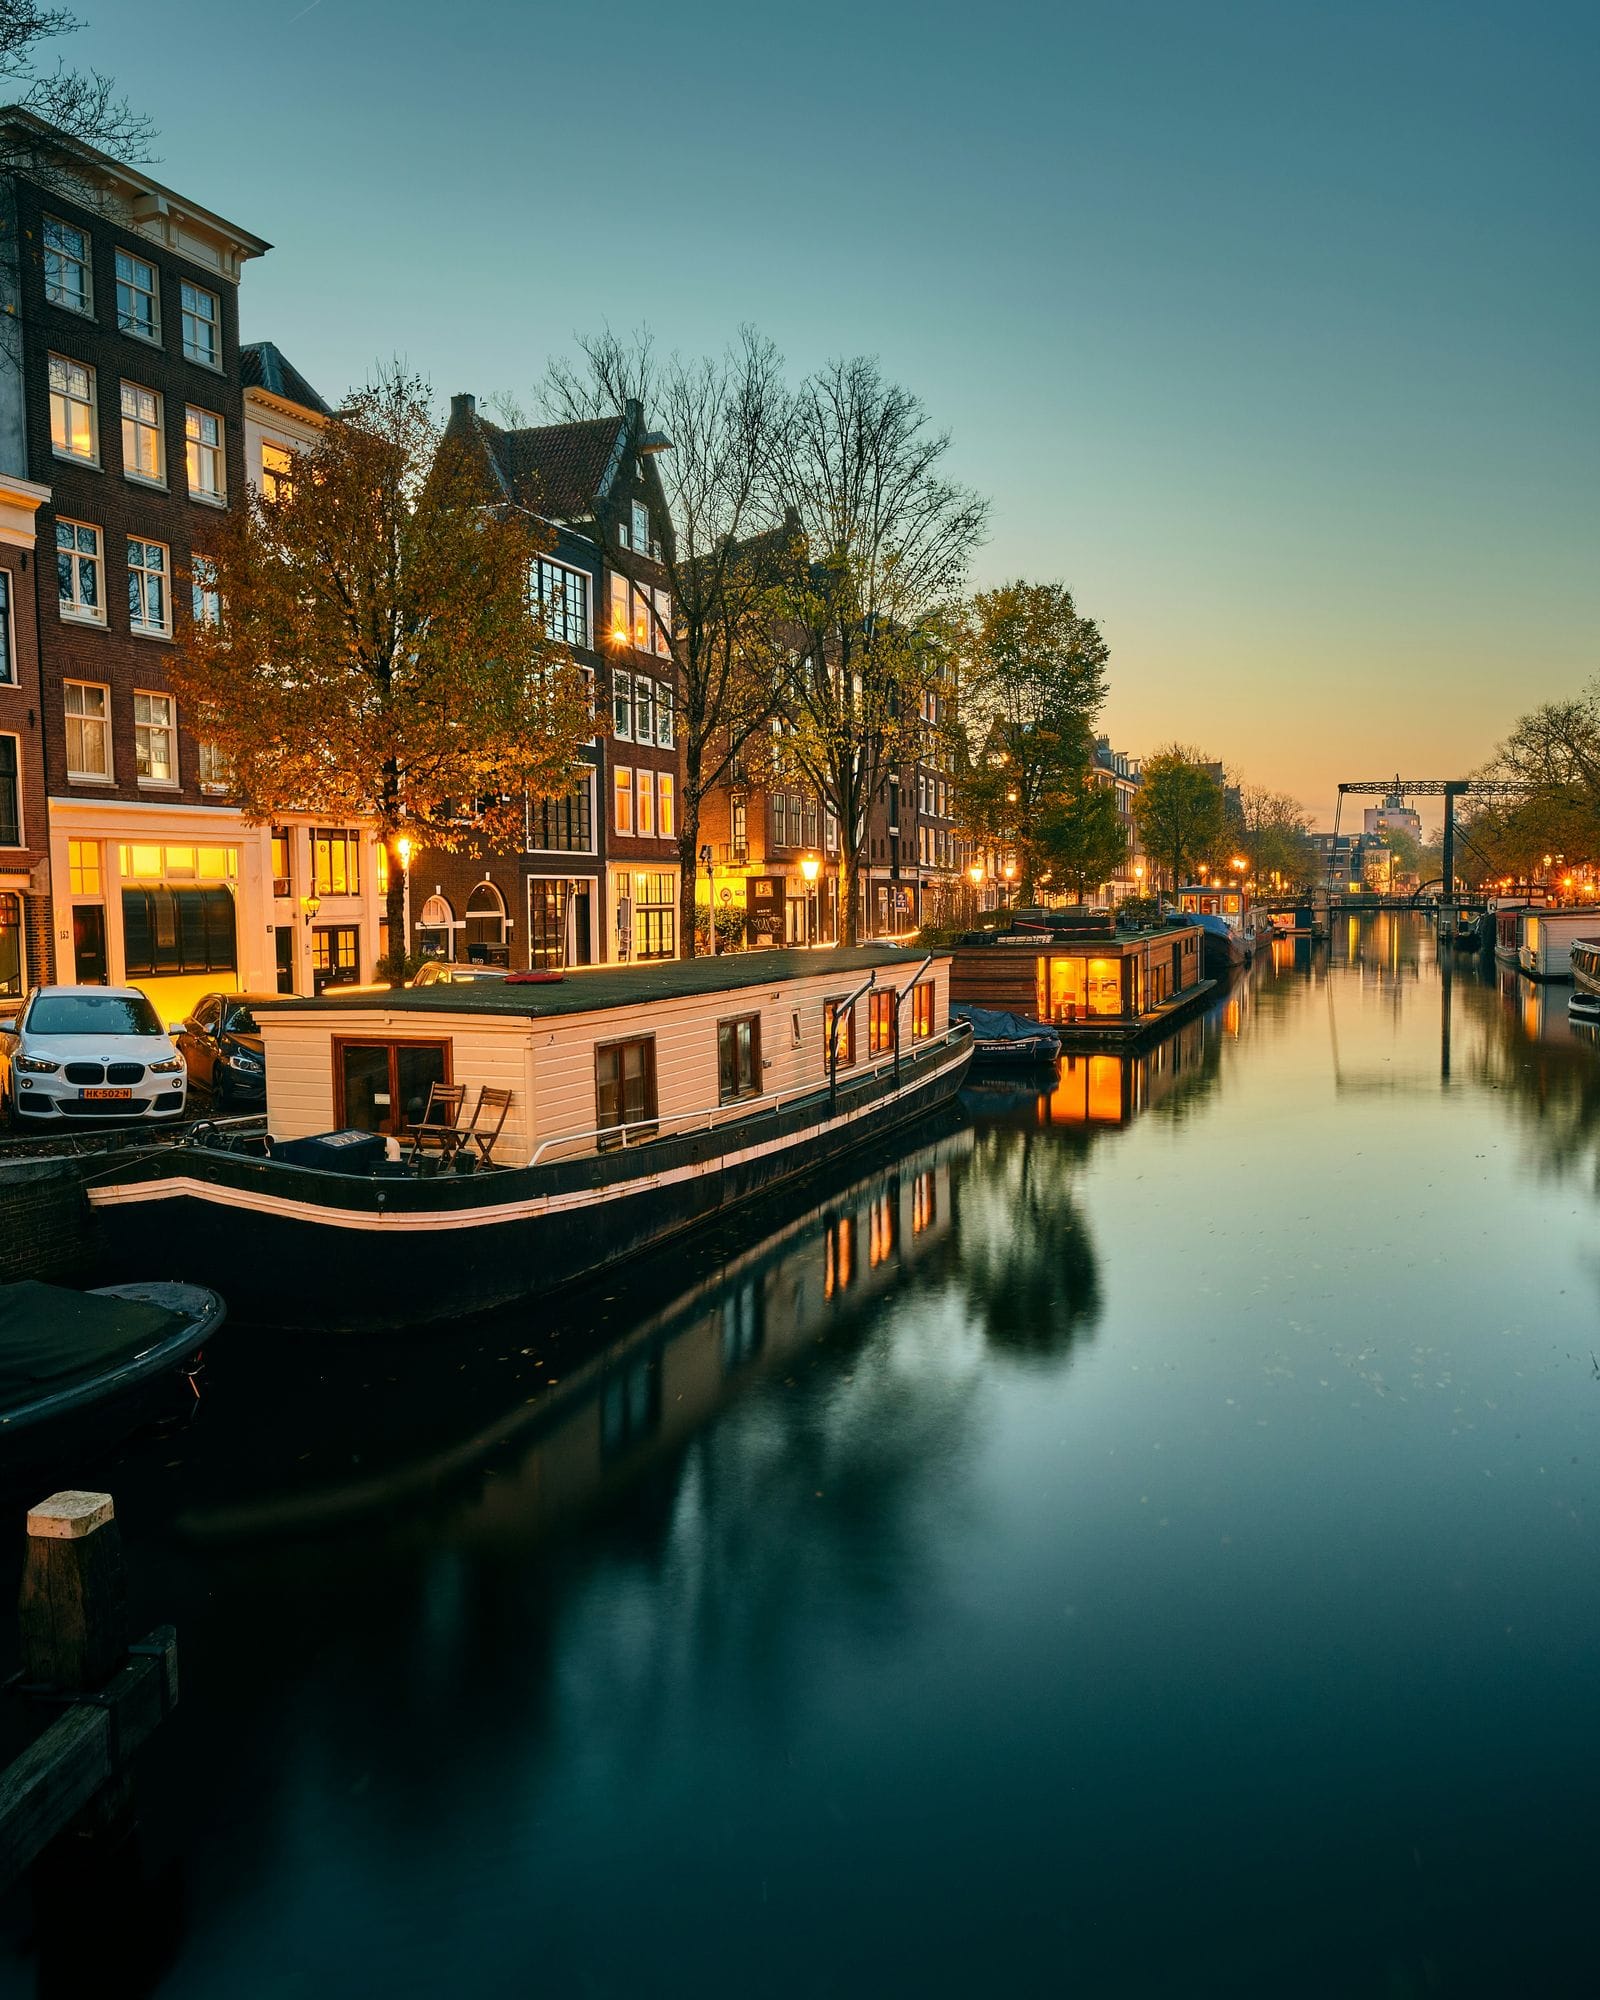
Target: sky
(1270, 330)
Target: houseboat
(1507, 919)
(629, 1103)
(1546, 938)
(1226, 916)
(1585, 1002)
(1098, 983)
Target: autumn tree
(719, 419)
(1178, 809)
(379, 656)
(1079, 837)
(1032, 677)
(1553, 751)
(878, 552)
(1271, 831)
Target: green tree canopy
(1178, 810)
(1080, 839)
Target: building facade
(26, 956)
(1117, 770)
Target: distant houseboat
(1585, 1002)
(1097, 983)
(642, 1101)
(1227, 918)
(1546, 938)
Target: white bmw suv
(75, 1052)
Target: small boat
(1230, 923)
(1585, 1002)
(1009, 1039)
(84, 1368)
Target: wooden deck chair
(488, 1116)
(438, 1129)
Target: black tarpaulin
(49, 1335)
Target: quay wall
(47, 1228)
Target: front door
(283, 939)
(89, 944)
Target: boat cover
(49, 1334)
(989, 1025)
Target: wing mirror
(174, 1027)
(9, 1027)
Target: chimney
(463, 409)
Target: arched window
(486, 916)
(436, 929)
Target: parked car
(222, 1046)
(440, 972)
(75, 1052)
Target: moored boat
(633, 1103)
(1227, 918)
(1585, 1002)
(1007, 1040)
(1095, 982)
(1546, 937)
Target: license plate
(102, 1096)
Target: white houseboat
(626, 1104)
(1546, 938)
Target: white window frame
(644, 709)
(153, 293)
(193, 447)
(138, 423)
(666, 708)
(74, 608)
(83, 263)
(84, 776)
(639, 517)
(622, 793)
(187, 316)
(621, 705)
(205, 599)
(570, 574)
(140, 622)
(644, 803)
(64, 399)
(149, 727)
(617, 601)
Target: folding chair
(488, 1116)
(438, 1129)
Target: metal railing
(686, 1123)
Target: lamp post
(1010, 873)
(811, 868)
(402, 854)
(310, 906)
(975, 876)
(711, 896)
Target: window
(277, 472)
(563, 826)
(205, 601)
(436, 928)
(619, 609)
(83, 867)
(622, 706)
(138, 297)
(655, 913)
(663, 624)
(68, 280)
(378, 1086)
(646, 783)
(202, 432)
(10, 794)
(78, 571)
(149, 602)
(643, 623)
(486, 920)
(622, 816)
(664, 707)
(213, 771)
(8, 658)
(202, 326)
(831, 829)
(144, 450)
(12, 982)
(780, 821)
(178, 930)
(155, 740)
(625, 1086)
(738, 1058)
(880, 1022)
(641, 527)
(562, 595)
(335, 861)
(846, 1035)
(282, 880)
(644, 694)
(74, 433)
(665, 814)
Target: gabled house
(596, 880)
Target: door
(283, 940)
(89, 944)
(198, 1042)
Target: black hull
(290, 1246)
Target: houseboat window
(922, 1010)
(1530, 933)
(1070, 988)
(880, 1022)
(847, 1033)
(335, 956)
(436, 929)
(625, 1085)
(382, 1086)
(738, 1058)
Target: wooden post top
(67, 1515)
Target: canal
(1138, 1538)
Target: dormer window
(641, 527)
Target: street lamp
(402, 854)
(975, 877)
(711, 895)
(811, 868)
(1010, 873)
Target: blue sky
(1269, 329)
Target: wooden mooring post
(71, 1783)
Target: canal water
(1135, 1538)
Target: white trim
(21, 841)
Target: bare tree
(719, 418)
(876, 562)
(78, 108)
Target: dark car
(222, 1046)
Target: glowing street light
(811, 868)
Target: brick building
(122, 395)
(25, 922)
(597, 878)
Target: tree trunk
(849, 884)
(689, 877)
(394, 909)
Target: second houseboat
(1098, 983)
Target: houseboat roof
(586, 991)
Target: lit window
(213, 768)
(622, 706)
(74, 432)
(665, 818)
(88, 730)
(79, 571)
(202, 431)
(619, 609)
(138, 297)
(205, 600)
(663, 625)
(664, 716)
(335, 861)
(149, 601)
(641, 619)
(144, 449)
(67, 278)
(10, 794)
(202, 326)
(623, 816)
(83, 867)
(155, 740)
(562, 596)
(647, 805)
(922, 1010)
(277, 469)
(282, 879)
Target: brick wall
(50, 1231)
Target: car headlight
(168, 1066)
(35, 1065)
(243, 1059)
